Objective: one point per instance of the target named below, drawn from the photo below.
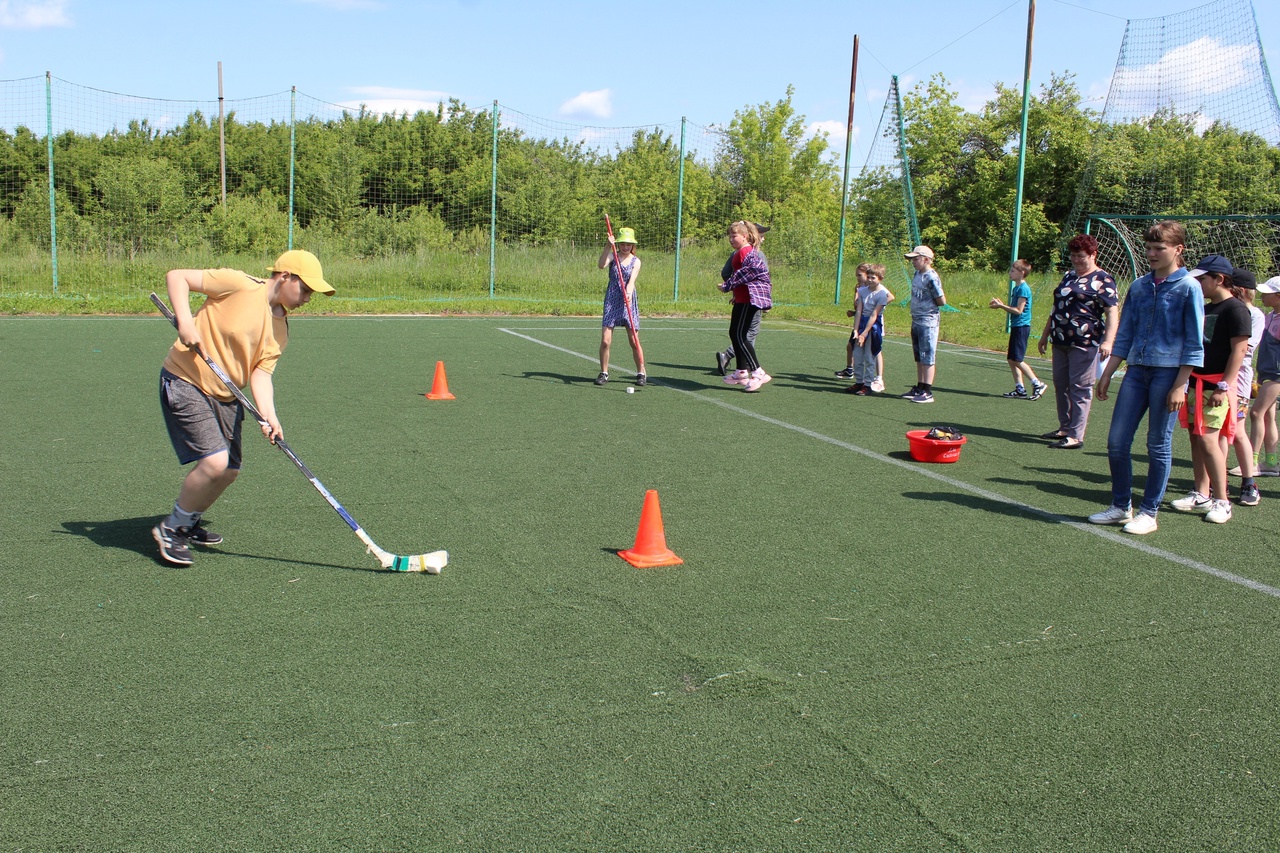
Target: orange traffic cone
(440, 385)
(651, 540)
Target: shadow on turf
(566, 378)
(134, 534)
(980, 503)
(986, 432)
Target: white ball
(631, 390)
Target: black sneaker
(915, 389)
(200, 535)
(602, 378)
(1037, 390)
(641, 379)
(173, 543)
(847, 373)
(722, 363)
(1018, 393)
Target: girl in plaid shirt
(752, 293)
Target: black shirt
(1222, 321)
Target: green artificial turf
(860, 652)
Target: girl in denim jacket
(1161, 338)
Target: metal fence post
(675, 292)
(53, 197)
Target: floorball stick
(430, 563)
(632, 331)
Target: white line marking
(1083, 527)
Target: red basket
(933, 449)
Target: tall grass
(556, 280)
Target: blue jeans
(1144, 391)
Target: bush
(247, 225)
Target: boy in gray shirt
(927, 300)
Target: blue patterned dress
(615, 309)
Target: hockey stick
(430, 563)
(632, 332)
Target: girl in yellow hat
(615, 306)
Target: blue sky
(605, 64)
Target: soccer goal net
(1191, 129)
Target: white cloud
(835, 131)
(33, 15)
(387, 99)
(597, 104)
(1185, 75)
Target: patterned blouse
(1079, 308)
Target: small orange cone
(651, 540)
(440, 385)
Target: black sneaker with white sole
(602, 378)
(173, 543)
(846, 373)
(201, 535)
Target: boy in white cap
(927, 300)
(243, 326)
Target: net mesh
(1191, 100)
(397, 205)
(884, 218)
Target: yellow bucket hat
(305, 266)
(626, 235)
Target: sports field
(860, 652)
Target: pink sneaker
(757, 381)
(738, 377)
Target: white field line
(1106, 533)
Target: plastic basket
(933, 449)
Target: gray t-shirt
(925, 288)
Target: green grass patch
(554, 280)
(860, 652)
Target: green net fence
(102, 192)
(884, 222)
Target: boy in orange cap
(243, 326)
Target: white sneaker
(877, 385)
(1220, 513)
(738, 377)
(1193, 502)
(1142, 524)
(1265, 470)
(1235, 472)
(757, 380)
(1112, 515)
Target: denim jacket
(1162, 326)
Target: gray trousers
(1074, 373)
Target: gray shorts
(199, 425)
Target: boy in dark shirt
(1209, 415)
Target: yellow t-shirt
(238, 331)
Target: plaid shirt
(753, 276)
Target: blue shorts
(1018, 337)
(924, 342)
